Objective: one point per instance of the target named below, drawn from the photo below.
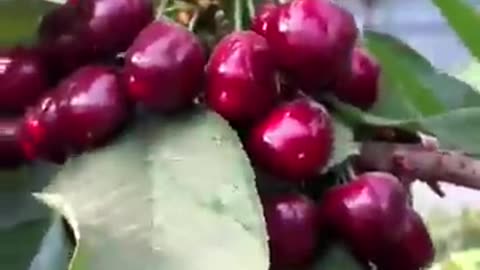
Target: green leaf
(355, 117)
(417, 97)
(457, 128)
(344, 145)
(470, 75)
(464, 19)
(174, 193)
(409, 78)
(33, 236)
(398, 47)
(403, 78)
(454, 93)
(337, 258)
(462, 260)
(238, 13)
(56, 248)
(19, 20)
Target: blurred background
(419, 23)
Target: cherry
(412, 249)
(372, 216)
(64, 42)
(291, 224)
(83, 31)
(164, 67)
(294, 140)
(40, 133)
(263, 18)
(23, 79)
(93, 106)
(313, 41)
(11, 155)
(86, 109)
(365, 211)
(114, 24)
(362, 87)
(241, 78)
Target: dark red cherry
(64, 41)
(365, 211)
(41, 136)
(11, 155)
(84, 111)
(23, 78)
(241, 78)
(313, 41)
(292, 229)
(263, 18)
(372, 216)
(412, 249)
(361, 88)
(164, 67)
(294, 140)
(85, 31)
(57, 21)
(114, 24)
(93, 106)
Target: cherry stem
(162, 6)
(193, 21)
(238, 14)
(415, 161)
(251, 8)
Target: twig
(415, 161)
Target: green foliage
(405, 82)
(470, 75)
(454, 232)
(171, 194)
(409, 79)
(344, 145)
(32, 235)
(416, 96)
(464, 260)
(337, 258)
(239, 12)
(463, 18)
(19, 20)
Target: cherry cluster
(96, 61)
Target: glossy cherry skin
(372, 216)
(294, 141)
(263, 18)
(84, 111)
(412, 249)
(313, 41)
(292, 229)
(365, 211)
(64, 42)
(241, 78)
(23, 78)
(361, 88)
(41, 136)
(85, 31)
(164, 67)
(11, 154)
(114, 24)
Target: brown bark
(416, 161)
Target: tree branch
(416, 161)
